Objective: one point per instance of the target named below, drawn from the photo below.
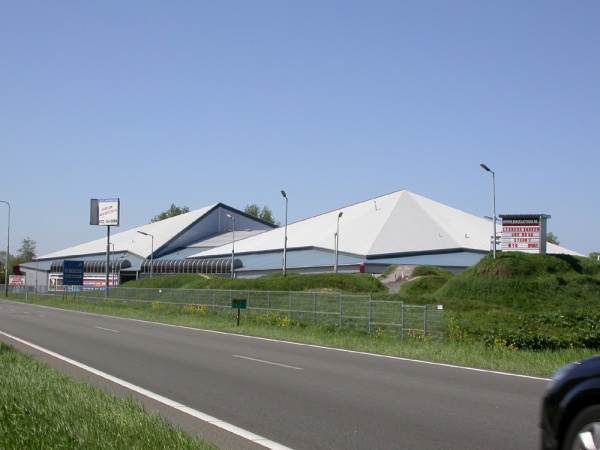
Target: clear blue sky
(336, 102)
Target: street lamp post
(151, 252)
(285, 239)
(337, 242)
(112, 277)
(487, 169)
(232, 246)
(7, 251)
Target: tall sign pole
(105, 212)
(107, 258)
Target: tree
(171, 212)
(595, 255)
(253, 210)
(552, 238)
(265, 213)
(27, 251)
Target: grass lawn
(41, 408)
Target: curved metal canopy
(177, 266)
(95, 266)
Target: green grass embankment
(41, 408)
(525, 302)
(348, 283)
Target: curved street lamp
(232, 246)
(487, 169)
(337, 242)
(285, 239)
(7, 251)
(151, 252)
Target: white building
(397, 228)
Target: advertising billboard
(524, 233)
(16, 280)
(105, 211)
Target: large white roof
(400, 222)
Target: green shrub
(423, 271)
(423, 285)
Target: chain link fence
(359, 312)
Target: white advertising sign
(104, 211)
(524, 233)
(521, 235)
(108, 211)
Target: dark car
(571, 408)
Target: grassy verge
(41, 408)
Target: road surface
(288, 395)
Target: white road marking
(159, 398)
(107, 329)
(25, 312)
(268, 362)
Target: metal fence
(359, 312)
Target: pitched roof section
(170, 234)
(134, 242)
(400, 222)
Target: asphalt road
(298, 396)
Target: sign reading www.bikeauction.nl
(524, 233)
(105, 212)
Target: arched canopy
(95, 266)
(177, 266)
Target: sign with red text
(16, 280)
(104, 212)
(524, 233)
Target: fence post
(402, 305)
(424, 323)
(290, 316)
(341, 296)
(370, 312)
